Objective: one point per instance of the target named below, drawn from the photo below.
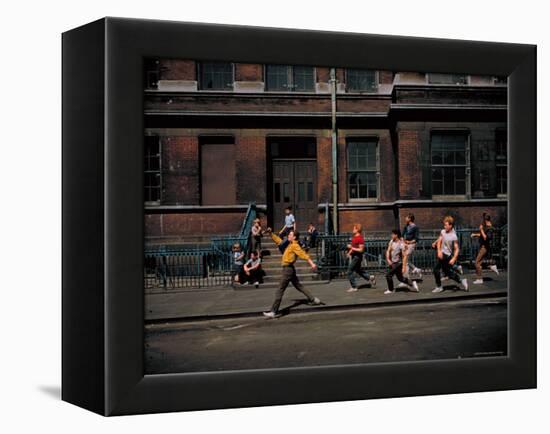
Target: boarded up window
(218, 184)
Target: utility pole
(334, 151)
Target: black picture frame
(102, 295)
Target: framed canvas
(176, 136)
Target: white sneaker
(245, 283)
(372, 280)
(402, 285)
(352, 289)
(494, 268)
(316, 301)
(464, 283)
(437, 289)
(257, 284)
(271, 314)
(415, 287)
(478, 281)
(459, 268)
(443, 278)
(387, 291)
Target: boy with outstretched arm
(291, 253)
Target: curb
(336, 307)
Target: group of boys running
(398, 258)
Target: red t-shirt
(356, 241)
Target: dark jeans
(397, 270)
(355, 267)
(256, 243)
(256, 275)
(289, 276)
(448, 269)
(311, 240)
(238, 270)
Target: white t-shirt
(396, 251)
(447, 241)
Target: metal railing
(182, 266)
(332, 251)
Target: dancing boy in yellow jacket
(290, 255)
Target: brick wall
(190, 224)
(248, 72)
(465, 216)
(409, 163)
(180, 170)
(173, 69)
(324, 169)
(372, 220)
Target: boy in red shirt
(355, 253)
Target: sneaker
(257, 284)
(245, 283)
(478, 281)
(464, 283)
(372, 280)
(402, 285)
(271, 314)
(387, 291)
(437, 289)
(415, 287)
(494, 268)
(443, 278)
(459, 269)
(352, 289)
(316, 302)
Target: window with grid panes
(362, 168)
(501, 158)
(216, 75)
(290, 78)
(434, 78)
(152, 173)
(448, 158)
(360, 80)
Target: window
(151, 76)
(152, 178)
(218, 174)
(289, 78)
(216, 76)
(501, 157)
(448, 158)
(362, 168)
(447, 78)
(361, 80)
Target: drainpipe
(334, 151)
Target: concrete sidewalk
(228, 302)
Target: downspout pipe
(334, 136)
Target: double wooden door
(295, 185)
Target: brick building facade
(221, 135)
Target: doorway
(295, 184)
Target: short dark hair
(288, 208)
(411, 216)
(486, 217)
(296, 233)
(396, 232)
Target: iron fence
(332, 251)
(180, 266)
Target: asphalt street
(430, 331)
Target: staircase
(272, 265)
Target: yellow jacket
(292, 251)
